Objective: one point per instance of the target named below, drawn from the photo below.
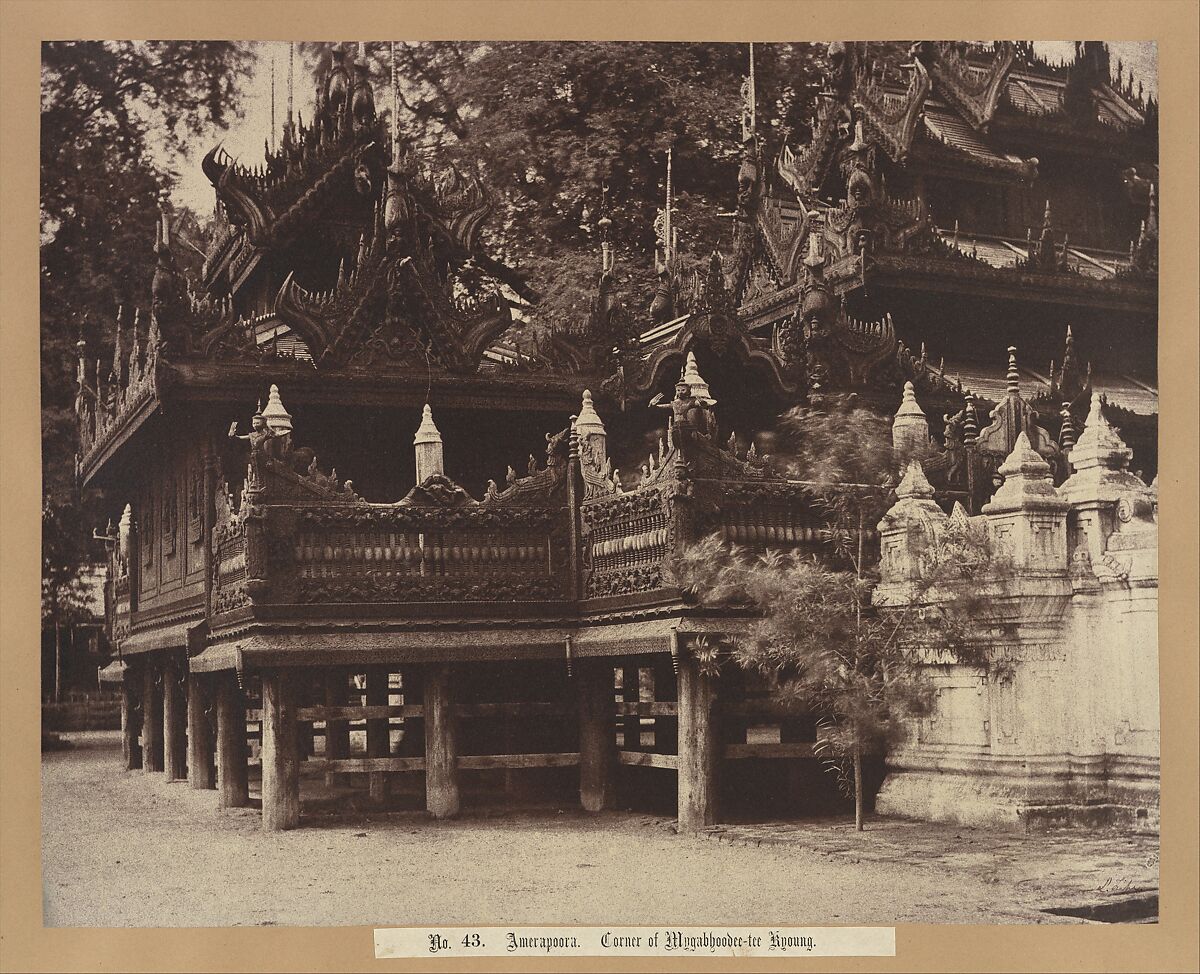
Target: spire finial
(272, 102)
(1013, 376)
(278, 419)
(395, 107)
(427, 443)
(970, 421)
(691, 376)
(291, 79)
(1067, 436)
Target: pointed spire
(1067, 436)
(272, 101)
(427, 443)
(291, 80)
(910, 428)
(588, 421)
(1027, 481)
(278, 419)
(970, 421)
(691, 375)
(118, 363)
(749, 112)
(1014, 376)
(914, 483)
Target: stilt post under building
(152, 717)
(441, 747)
(202, 773)
(597, 740)
(131, 723)
(337, 732)
(174, 723)
(231, 742)
(697, 747)
(378, 737)
(280, 760)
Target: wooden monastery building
(429, 563)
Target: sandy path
(127, 849)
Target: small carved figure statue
(259, 439)
(690, 416)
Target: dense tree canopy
(115, 117)
(550, 126)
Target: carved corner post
(337, 732)
(378, 732)
(210, 520)
(231, 742)
(152, 716)
(174, 721)
(280, 760)
(574, 530)
(202, 773)
(441, 743)
(597, 740)
(697, 746)
(131, 721)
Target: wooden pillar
(631, 738)
(131, 725)
(412, 744)
(231, 742)
(697, 747)
(441, 746)
(337, 732)
(378, 742)
(280, 759)
(152, 717)
(597, 740)
(202, 773)
(174, 724)
(666, 729)
(305, 729)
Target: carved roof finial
(427, 443)
(1067, 436)
(588, 421)
(908, 402)
(970, 421)
(691, 376)
(118, 354)
(427, 432)
(278, 419)
(1014, 376)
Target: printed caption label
(664, 941)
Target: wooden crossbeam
(802, 749)
(516, 709)
(485, 762)
(343, 765)
(660, 708)
(645, 759)
(519, 709)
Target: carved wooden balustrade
(306, 540)
(630, 537)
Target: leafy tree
(819, 640)
(115, 117)
(549, 125)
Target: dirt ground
(127, 849)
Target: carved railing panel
(626, 540)
(410, 554)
